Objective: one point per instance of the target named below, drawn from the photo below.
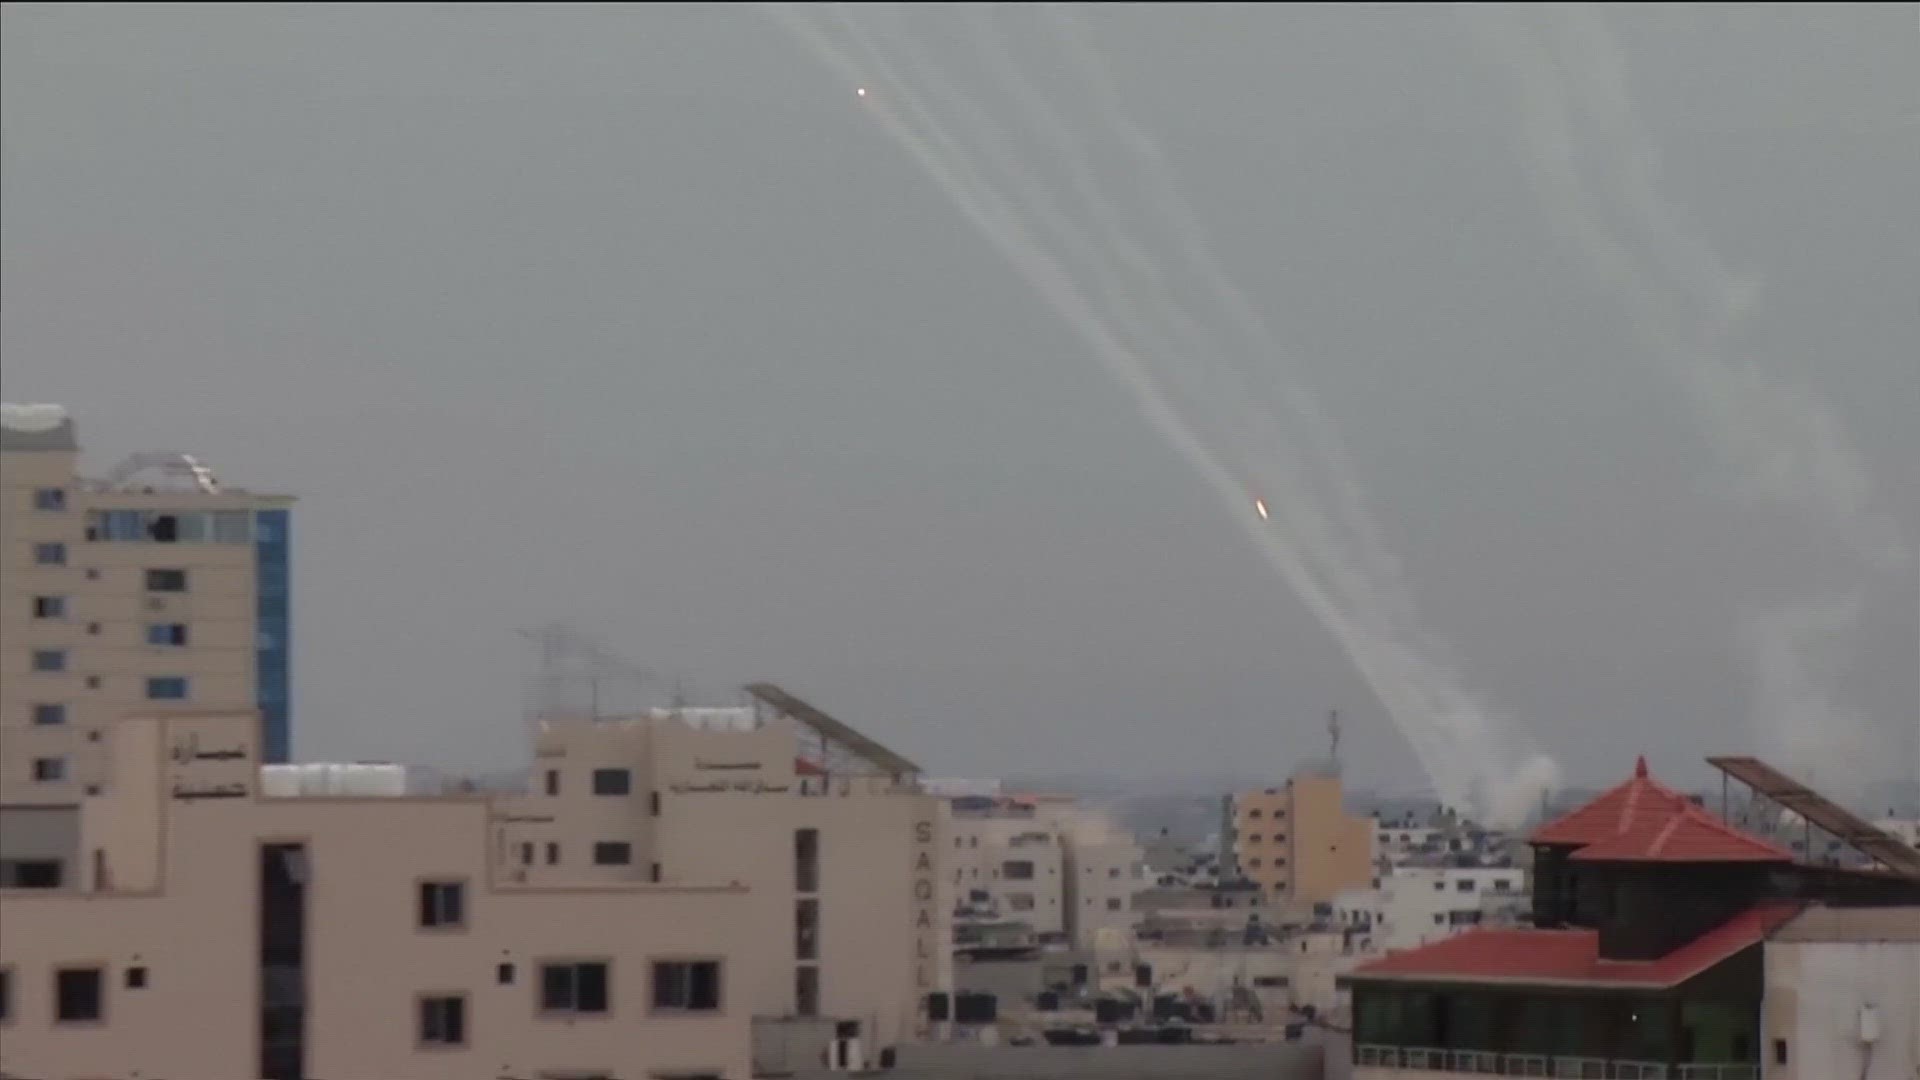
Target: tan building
(348, 937)
(147, 589)
(1298, 842)
(1066, 871)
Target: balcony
(1416, 1059)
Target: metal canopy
(834, 734)
(1825, 814)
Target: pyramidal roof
(1690, 836)
(1640, 800)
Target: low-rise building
(1843, 994)
(1067, 871)
(348, 937)
(1412, 906)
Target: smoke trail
(1000, 227)
(1779, 443)
(1446, 727)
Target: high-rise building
(149, 588)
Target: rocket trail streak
(1000, 227)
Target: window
(576, 988)
(78, 995)
(553, 853)
(1254, 838)
(806, 860)
(49, 769)
(653, 803)
(1439, 918)
(1501, 885)
(166, 581)
(136, 978)
(443, 904)
(1779, 1051)
(443, 1021)
(806, 929)
(1020, 901)
(1464, 885)
(50, 554)
(1254, 863)
(169, 633)
(1017, 870)
(612, 782)
(1254, 813)
(49, 499)
(686, 985)
(31, 873)
(526, 853)
(49, 607)
(653, 872)
(47, 715)
(612, 853)
(1113, 871)
(49, 661)
(167, 688)
(6, 994)
(1113, 903)
(232, 526)
(806, 991)
(553, 781)
(503, 974)
(1439, 886)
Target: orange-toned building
(1298, 842)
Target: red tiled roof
(1640, 800)
(1571, 957)
(1690, 836)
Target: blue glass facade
(272, 547)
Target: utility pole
(1333, 737)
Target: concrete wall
(1815, 994)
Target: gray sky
(633, 317)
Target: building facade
(1068, 872)
(1299, 842)
(348, 937)
(1415, 905)
(1843, 994)
(147, 589)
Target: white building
(1066, 871)
(1843, 995)
(1415, 905)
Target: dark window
(686, 985)
(31, 873)
(503, 974)
(612, 853)
(442, 904)
(49, 660)
(6, 993)
(1739, 1047)
(806, 860)
(574, 988)
(167, 688)
(78, 995)
(49, 499)
(136, 978)
(49, 607)
(169, 634)
(50, 554)
(49, 769)
(806, 991)
(1464, 885)
(1113, 903)
(653, 803)
(806, 930)
(163, 528)
(1017, 870)
(653, 872)
(553, 781)
(166, 581)
(443, 1021)
(526, 853)
(1779, 1051)
(49, 715)
(612, 782)
(553, 853)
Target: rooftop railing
(1546, 1066)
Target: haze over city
(635, 317)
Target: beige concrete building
(348, 937)
(1843, 994)
(1299, 842)
(695, 877)
(1067, 871)
(146, 589)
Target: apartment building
(349, 937)
(847, 910)
(1412, 906)
(1298, 841)
(148, 588)
(1066, 871)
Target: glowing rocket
(1260, 507)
